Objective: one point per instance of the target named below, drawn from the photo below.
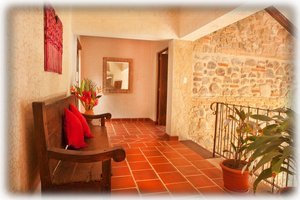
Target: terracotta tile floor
(154, 166)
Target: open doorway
(78, 61)
(162, 58)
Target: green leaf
(286, 153)
(265, 159)
(270, 129)
(251, 138)
(82, 85)
(237, 112)
(266, 148)
(278, 117)
(258, 142)
(232, 117)
(233, 146)
(283, 169)
(262, 118)
(267, 173)
(242, 115)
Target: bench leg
(106, 174)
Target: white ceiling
(159, 23)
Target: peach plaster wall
(141, 101)
(28, 82)
(249, 62)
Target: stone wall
(229, 75)
(249, 62)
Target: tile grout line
(156, 173)
(185, 176)
(136, 186)
(152, 134)
(180, 171)
(202, 173)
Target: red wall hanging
(53, 38)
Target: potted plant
(275, 145)
(235, 176)
(87, 93)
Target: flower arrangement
(87, 92)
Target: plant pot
(234, 180)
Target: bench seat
(62, 169)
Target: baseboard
(131, 120)
(206, 154)
(168, 137)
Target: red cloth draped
(53, 36)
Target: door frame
(158, 79)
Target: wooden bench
(64, 170)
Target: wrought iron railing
(223, 137)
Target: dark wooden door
(162, 87)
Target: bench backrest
(48, 128)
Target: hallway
(154, 166)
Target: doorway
(162, 83)
(78, 62)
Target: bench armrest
(116, 153)
(102, 117)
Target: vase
(89, 112)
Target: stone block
(196, 79)
(245, 70)
(205, 80)
(234, 75)
(265, 90)
(217, 80)
(244, 81)
(252, 75)
(226, 92)
(197, 66)
(211, 65)
(236, 62)
(269, 73)
(236, 81)
(223, 64)
(250, 62)
(203, 91)
(195, 90)
(279, 71)
(244, 91)
(220, 71)
(227, 79)
(233, 92)
(214, 88)
(229, 70)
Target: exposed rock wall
(249, 62)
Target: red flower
(96, 102)
(86, 93)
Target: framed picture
(53, 39)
